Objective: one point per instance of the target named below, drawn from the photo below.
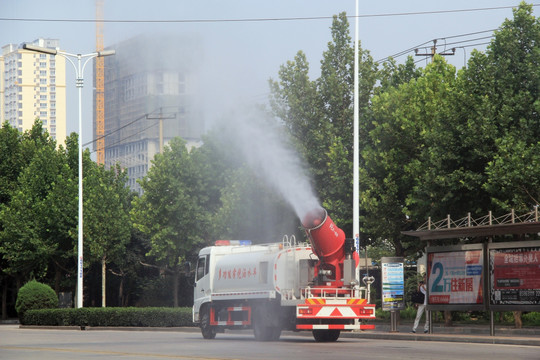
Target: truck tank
(260, 271)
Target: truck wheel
(326, 335)
(262, 331)
(275, 333)
(208, 331)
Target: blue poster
(393, 284)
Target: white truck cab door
(202, 289)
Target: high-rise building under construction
(151, 96)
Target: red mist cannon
(336, 265)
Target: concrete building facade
(150, 80)
(33, 85)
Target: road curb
(458, 335)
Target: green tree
(397, 128)
(11, 164)
(513, 58)
(107, 225)
(481, 150)
(391, 75)
(26, 243)
(443, 181)
(57, 213)
(170, 210)
(251, 210)
(319, 115)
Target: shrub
(35, 295)
(111, 316)
(531, 319)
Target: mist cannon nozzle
(314, 218)
(327, 241)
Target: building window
(43, 73)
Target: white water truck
(283, 286)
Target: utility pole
(161, 117)
(434, 51)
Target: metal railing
(487, 220)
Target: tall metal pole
(356, 152)
(79, 82)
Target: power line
(116, 130)
(144, 116)
(469, 34)
(465, 41)
(260, 19)
(128, 137)
(461, 47)
(421, 46)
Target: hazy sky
(240, 56)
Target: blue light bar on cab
(232, 242)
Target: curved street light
(79, 81)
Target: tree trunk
(57, 277)
(517, 319)
(4, 297)
(103, 281)
(447, 318)
(176, 277)
(121, 291)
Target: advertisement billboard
(393, 283)
(456, 277)
(514, 274)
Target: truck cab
(202, 288)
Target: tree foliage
(170, 210)
(39, 215)
(433, 141)
(319, 115)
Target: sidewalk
(458, 333)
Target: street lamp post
(79, 81)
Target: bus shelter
(495, 265)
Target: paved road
(41, 344)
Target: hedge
(112, 316)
